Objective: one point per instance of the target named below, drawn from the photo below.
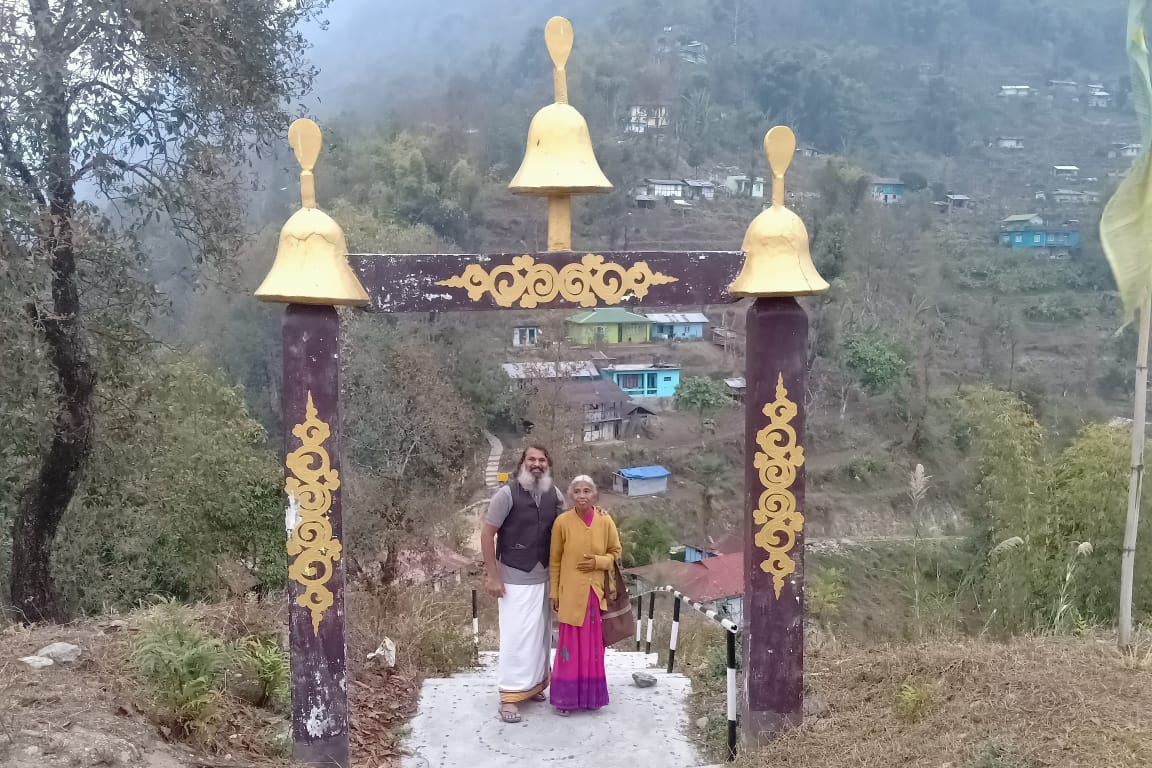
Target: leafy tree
(702, 395)
(843, 187)
(463, 184)
(937, 116)
(182, 488)
(411, 435)
(147, 105)
(1035, 512)
(878, 363)
(804, 89)
(914, 180)
(407, 178)
(831, 246)
(645, 540)
(711, 471)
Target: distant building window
(1038, 238)
(667, 378)
(630, 381)
(1019, 238)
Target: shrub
(993, 754)
(912, 701)
(178, 663)
(1053, 310)
(268, 664)
(878, 363)
(645, 541)
(1038, 511)
(825, 592)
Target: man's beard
(535, 484)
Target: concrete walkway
(493, 467)
(457, 725)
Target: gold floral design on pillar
(312, 546)
(585, 282)
(777, 461)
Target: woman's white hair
(581, 479)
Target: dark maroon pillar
(315, 552)
(773, 626)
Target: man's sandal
(540, 697)
(509, 713)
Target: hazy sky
(373, 46)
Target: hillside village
(619, 370)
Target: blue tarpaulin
(644, 473)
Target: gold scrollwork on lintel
(533, 283)
(312, 545)
(777, 461)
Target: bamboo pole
(1132, 524)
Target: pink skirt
(578, 677)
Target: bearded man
(516, 539)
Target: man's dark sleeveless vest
(526, 535)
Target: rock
(32, 751)
(385, 653)
(61, 653)
(643, 680)
(248, 690)
(280, 740)
(702, 723)
(37, 662)
(822, 725)
(816, 706)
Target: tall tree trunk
(45, 499)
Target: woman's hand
(587, 564)
(555, 605)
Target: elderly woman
(585, 546)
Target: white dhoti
(525, 631)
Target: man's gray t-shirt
(498, 509)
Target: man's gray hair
(581, 479)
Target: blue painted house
(640, 380)
(888, 191)
(1030, 230)
(678, 325)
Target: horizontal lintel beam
(558, 280)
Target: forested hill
(372, 53)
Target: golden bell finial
(311, 265)
(777, 261)
(559, 161)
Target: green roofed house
(609, 325)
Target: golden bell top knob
(311, 265)
(780, 148)
(558, 39)
(777, 258)
(305, 139)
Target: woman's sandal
(539, 697)
(509, 713)
(563, 712)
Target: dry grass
(1032, 703)
(1070, 701)
(433, 636)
